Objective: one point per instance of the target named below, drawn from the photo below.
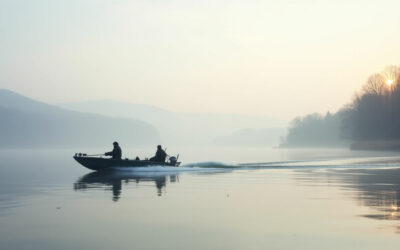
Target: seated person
(116, 153)
(160, 155)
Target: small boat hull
(97, 163)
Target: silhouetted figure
(116, 153)
(160, 155)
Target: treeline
(373, 115)
(316, 130)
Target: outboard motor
(173, 160)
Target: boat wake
(364, 162)
(373, 162)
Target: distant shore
(389, 145)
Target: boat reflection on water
(113, 180)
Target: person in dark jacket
(160, 155)
(116, 153)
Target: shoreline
(376, 145)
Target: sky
(272, 58)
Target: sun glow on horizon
(389, 82)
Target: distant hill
(29, 123)
(179, 128)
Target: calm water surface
(221, 198)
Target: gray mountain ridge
(191, 128)
(29, 123)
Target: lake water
(221, 198)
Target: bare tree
(392, 74)
(375, 85)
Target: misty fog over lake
(251, 198)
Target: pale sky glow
(275, 58)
